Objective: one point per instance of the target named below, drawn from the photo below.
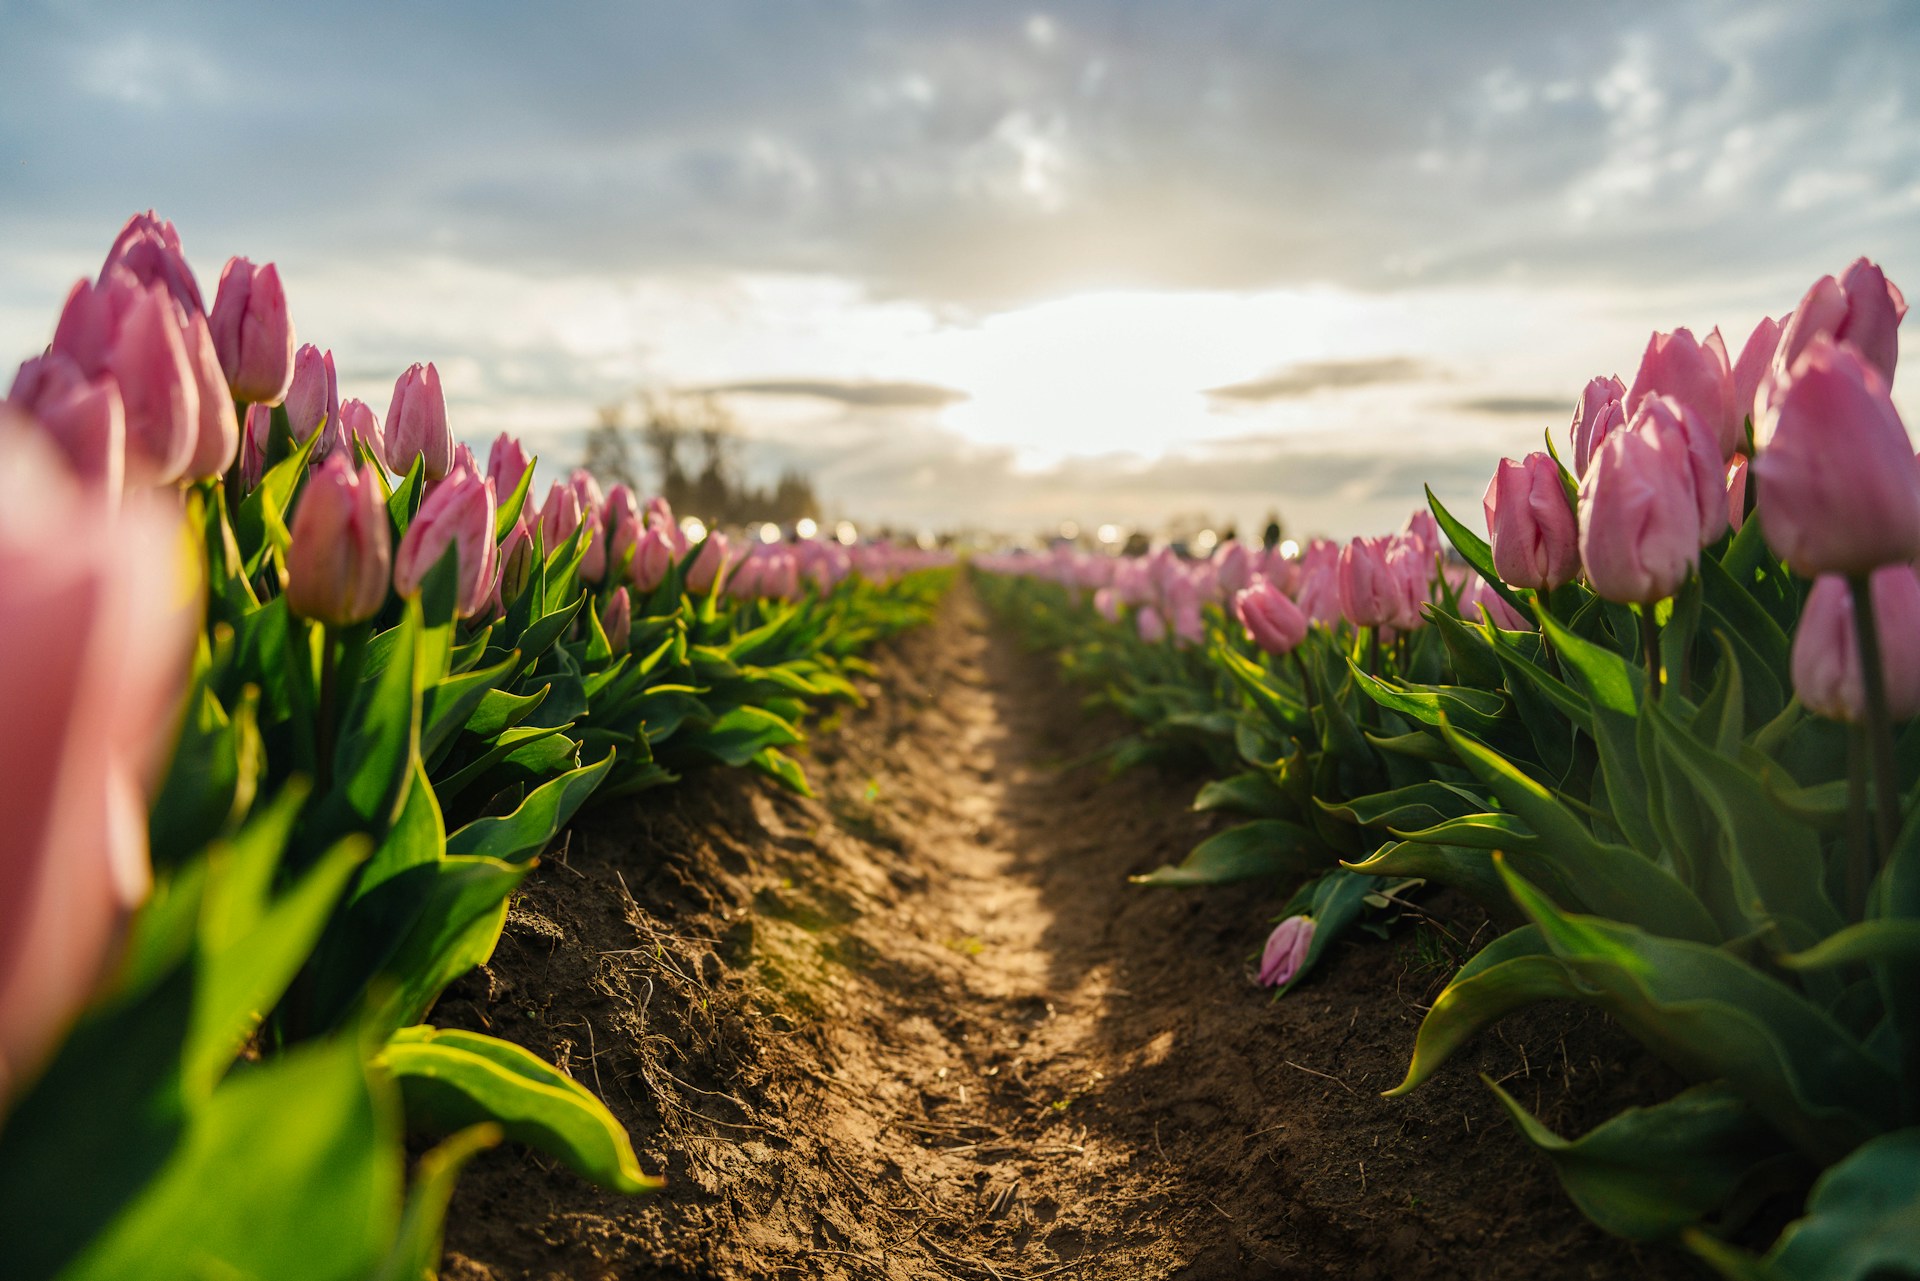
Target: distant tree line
(691, 445)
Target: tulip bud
(1536, 542)
(1639, 525)
(709, 565)
(99, 615)
(593, 514)
(1826, 654)
(459, 514)
(253, 332)
(1272, 622)
(342, 552)
(1599, 412)
(357, 421)
(1699, 376)
(217, 432)
(254, 436)
(1482, 596)
(652, 560)
(616, 619)
(158, 391)
(507, 462)
(743, 580)
(82, 416)
(1370, 596)
(1705, 472)
(1286, 950)
(559, 516)
(417, 424)
(516, 561)
(1756, 358)
(1422, 531)
(1152, 628)
(313, 395)
(1839, 487)
(1235, 570)
(1862, 309)
(1107, 604)
(623, 523)
(148, 249)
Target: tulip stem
(1859, 826)
(1886, 786)
(329, 679)
(1306, 685)
(1650, 639)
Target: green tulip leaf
(453, 1079)
(1265, 848)
(1648, 1173)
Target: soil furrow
(920, 1026)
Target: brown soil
(922, 1027)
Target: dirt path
(921, 1027)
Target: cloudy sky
(1007, 264)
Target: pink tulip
(1600, 411)
(709, 566)
(659, 515)
(652, 559)
(1272, 622)
(342, 553)
(780, 575)
(1536, 542)
(623, 525)
(559, 516)
(217, 434)
(99, 617)
(1151, 627)
(1286, 950)
(148, 249)
(1107, 604)
(132, 332)
(1234, 571)
(1482, 596)
(1639, 525)
(417, 424)
(82, 416)
(1704, 470)
(616, 619)
(1839, 487)
(357, 421)
(253, 332)
(1371, 595)
(313, 395)
(1826, 655)
(1737, 493)
(1756, 358)
(1422, 531)
(593, 503)
(1862, 309)
(507, 462)
(1410, 571)
(1699, 376)
(743, 580)
(457, 514)
(254, 436)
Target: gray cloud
(960, 153)
(1323, 375)
(1517, 406)
(870, 395)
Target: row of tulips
(1663, 722)
(296, 710)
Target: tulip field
(309, 697)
